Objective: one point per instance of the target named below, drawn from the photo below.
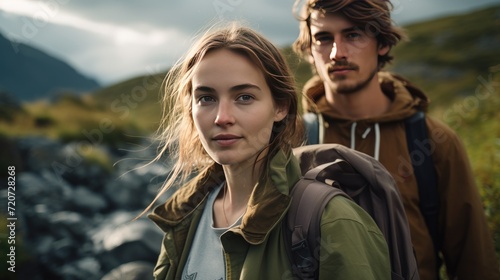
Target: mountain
(30, 74)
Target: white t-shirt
(206, 259)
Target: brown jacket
(467, 245)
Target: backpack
(422, 163)
(333, 169)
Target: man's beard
(347, 88)
(352, 88)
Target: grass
(479, 128)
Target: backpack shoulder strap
(315, 129)
(423, 168)
(303, 221)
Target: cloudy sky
(112, 40)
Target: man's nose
(338, 52)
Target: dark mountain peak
(30, 73)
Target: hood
(406, 99)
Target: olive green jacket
(352, 246)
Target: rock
(126, 192)
(87, 202)
(78, 166)
(40, 153)
(131, 271)
(70, 225)
(77, 218)
(85, 268)
(120, 240)
(42, 189)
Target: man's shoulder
(438, 129)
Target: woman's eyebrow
(244, 86)
(232, 89)
(204, 89)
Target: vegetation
(446, 56)
(74, 118)
(475, 118)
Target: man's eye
(353, 35)
(321, 40)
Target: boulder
(131, 271)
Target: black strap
(420, 149)
(311, 124)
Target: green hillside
(447, 56)
(123, 112)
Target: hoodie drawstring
(377, 141)
(367, 131)
(353, 135)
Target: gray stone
(86, 268)
(87, 201)
(127, 191)
(131, 271)
(78, 219)
(121, 240)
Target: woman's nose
(224, 114)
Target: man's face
(345, 55)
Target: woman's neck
(240, 182)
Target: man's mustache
(341, 65)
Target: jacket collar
(266, 207)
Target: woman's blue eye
(205, 99)
(245, 97)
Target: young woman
(231, 121)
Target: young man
(348, 42)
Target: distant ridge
(30, 74)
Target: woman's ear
(281, 112)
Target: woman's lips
(226, 139)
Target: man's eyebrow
(351, 29)
(320, 33)
(345, 30)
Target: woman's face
(233, 109)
